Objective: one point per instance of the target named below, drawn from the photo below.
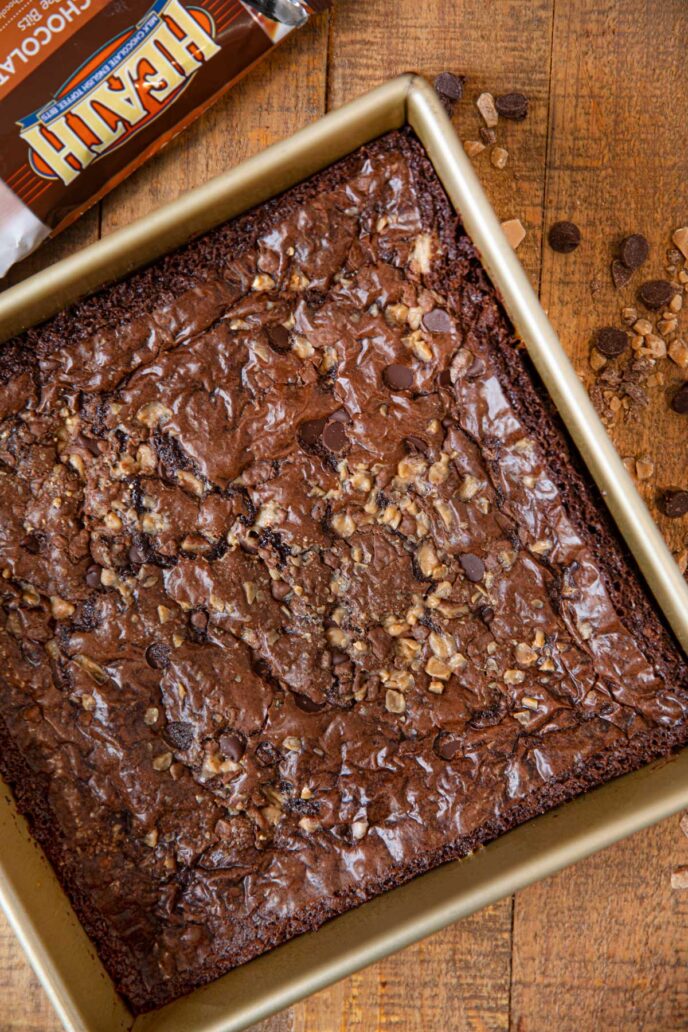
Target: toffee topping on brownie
(295, 605)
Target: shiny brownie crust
(303, 590)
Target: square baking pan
(36, 906)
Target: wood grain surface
(603, 945)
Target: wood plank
(617, 165)
(458, 979)
(605, 943)
(24, 1007)
(498, 47)
(433, 986)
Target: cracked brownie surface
(302, 592)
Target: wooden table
(605, 944)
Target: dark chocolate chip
(487, 135)
(308, 705)
(416, 445)
(32, 653)
(512, 105)
(334, 436)
(486, 613)
(279, 590)
(621, 274)
(655, 294)
(450, 85)
(232, 745)
(449, 89)
(472, 566)
(91, 445)
(199, 620)
(634, 250)
(564, 237)
(137, 554)
(444, 378)
(675, 503)
(311, 431)
(437, 321)
(278, 337)
(93, 576)
(611, 342)
(447, 745)
(158, 655)
(179, 735)
(397, 377)
(679, 402)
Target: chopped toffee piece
(326, 601)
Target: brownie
(303, 589)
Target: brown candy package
(89, 89)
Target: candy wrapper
(89, 89)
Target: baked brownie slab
(302, 590)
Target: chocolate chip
(92, 446)
(437, 321)
(334, 436)
(199, 620)
(679, 402)
(310, 432)
(137, 554)
(564, 237)
(93, 576)
(447, 745)
(232, 745)
(158, 655)
(308, 705)
(634, 250)
(416, 445)
(179, 735)
(397, 377)
(450, 85)
(444, 378)
(472, 566)
(487, 135)
(278, 337)
(32, 653)
(486, 613)
(621, 274)
(512, 105)
(611, 342)
(449, 88)
(32, 544)
(675, 503)
(655, 294)
(279, 590)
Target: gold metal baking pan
(56, 945)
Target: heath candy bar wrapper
(89, 89)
